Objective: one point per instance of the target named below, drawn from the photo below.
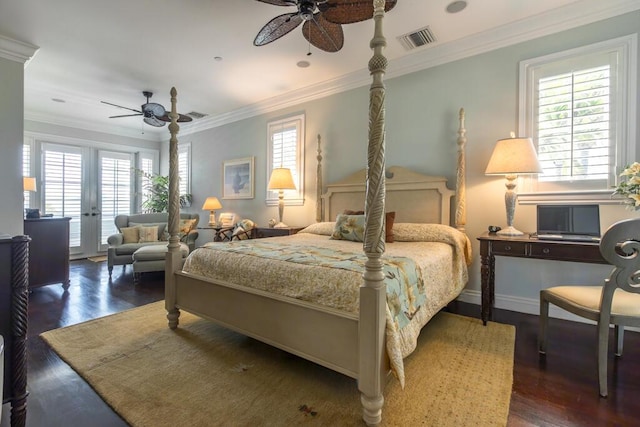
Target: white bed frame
(352, 344)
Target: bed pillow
(148, 234)
(130, 234)
(349, 227)
(320, 228)
(388, 220)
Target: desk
(492, 245)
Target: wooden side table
(220, 234)
(262, 232)
(492, 245)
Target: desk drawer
(509, 248)
(567, 252)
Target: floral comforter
(422, 274)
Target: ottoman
(151, 258)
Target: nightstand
(262, 232)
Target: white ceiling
(92, 51)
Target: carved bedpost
(19, 321)
(319, 209)
(461, 190)
(174, 257)
(373, 291)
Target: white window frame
(623, 96)
(291, 197)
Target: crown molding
(54, 120)
(16, 50)
(579, 13)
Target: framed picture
(237, 178)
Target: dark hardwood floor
(561, 390)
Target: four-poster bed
(350, 341)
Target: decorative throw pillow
(162, 226)
(130, 234)
(349, 227)
(148, 234)
(321, 228)
(388, 221)
(184, 227)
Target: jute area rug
(204, 375)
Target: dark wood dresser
(48, 251)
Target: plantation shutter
(115, 189)
(574, 131)
(183, 171)
(62, 185)
(26, 171)
(286, 151)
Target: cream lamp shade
(281, 179)
(29, 183)
(510, 157)
(212, 204)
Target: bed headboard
(413, 196)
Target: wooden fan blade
(153, 121)
(181, 118)
(120, 106)
(323, 34)
(280, 2)
(350, 11)
(125, 115)
(277, 27)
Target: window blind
(574, 115)
(115, 188)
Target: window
(286, 150)
(576, 107)
(184, 168)
(26, 171)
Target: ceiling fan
(154, 113)
(322, 20)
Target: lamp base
(510, 231)
(281, 225)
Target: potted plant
(157, 199)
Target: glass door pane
(62, 168)
(116, 190)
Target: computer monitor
(569, 220)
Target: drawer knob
(507, 248)
(546, 251)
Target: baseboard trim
(525, 305)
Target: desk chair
(616, 302)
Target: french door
(89, 185)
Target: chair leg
(544, 320)
(619, 330)
(603, 348)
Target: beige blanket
(442, 254)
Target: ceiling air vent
(196, 115)
(417, 38)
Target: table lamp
(212, 204)
(29, 183)
(281, 179)
(512, 156)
